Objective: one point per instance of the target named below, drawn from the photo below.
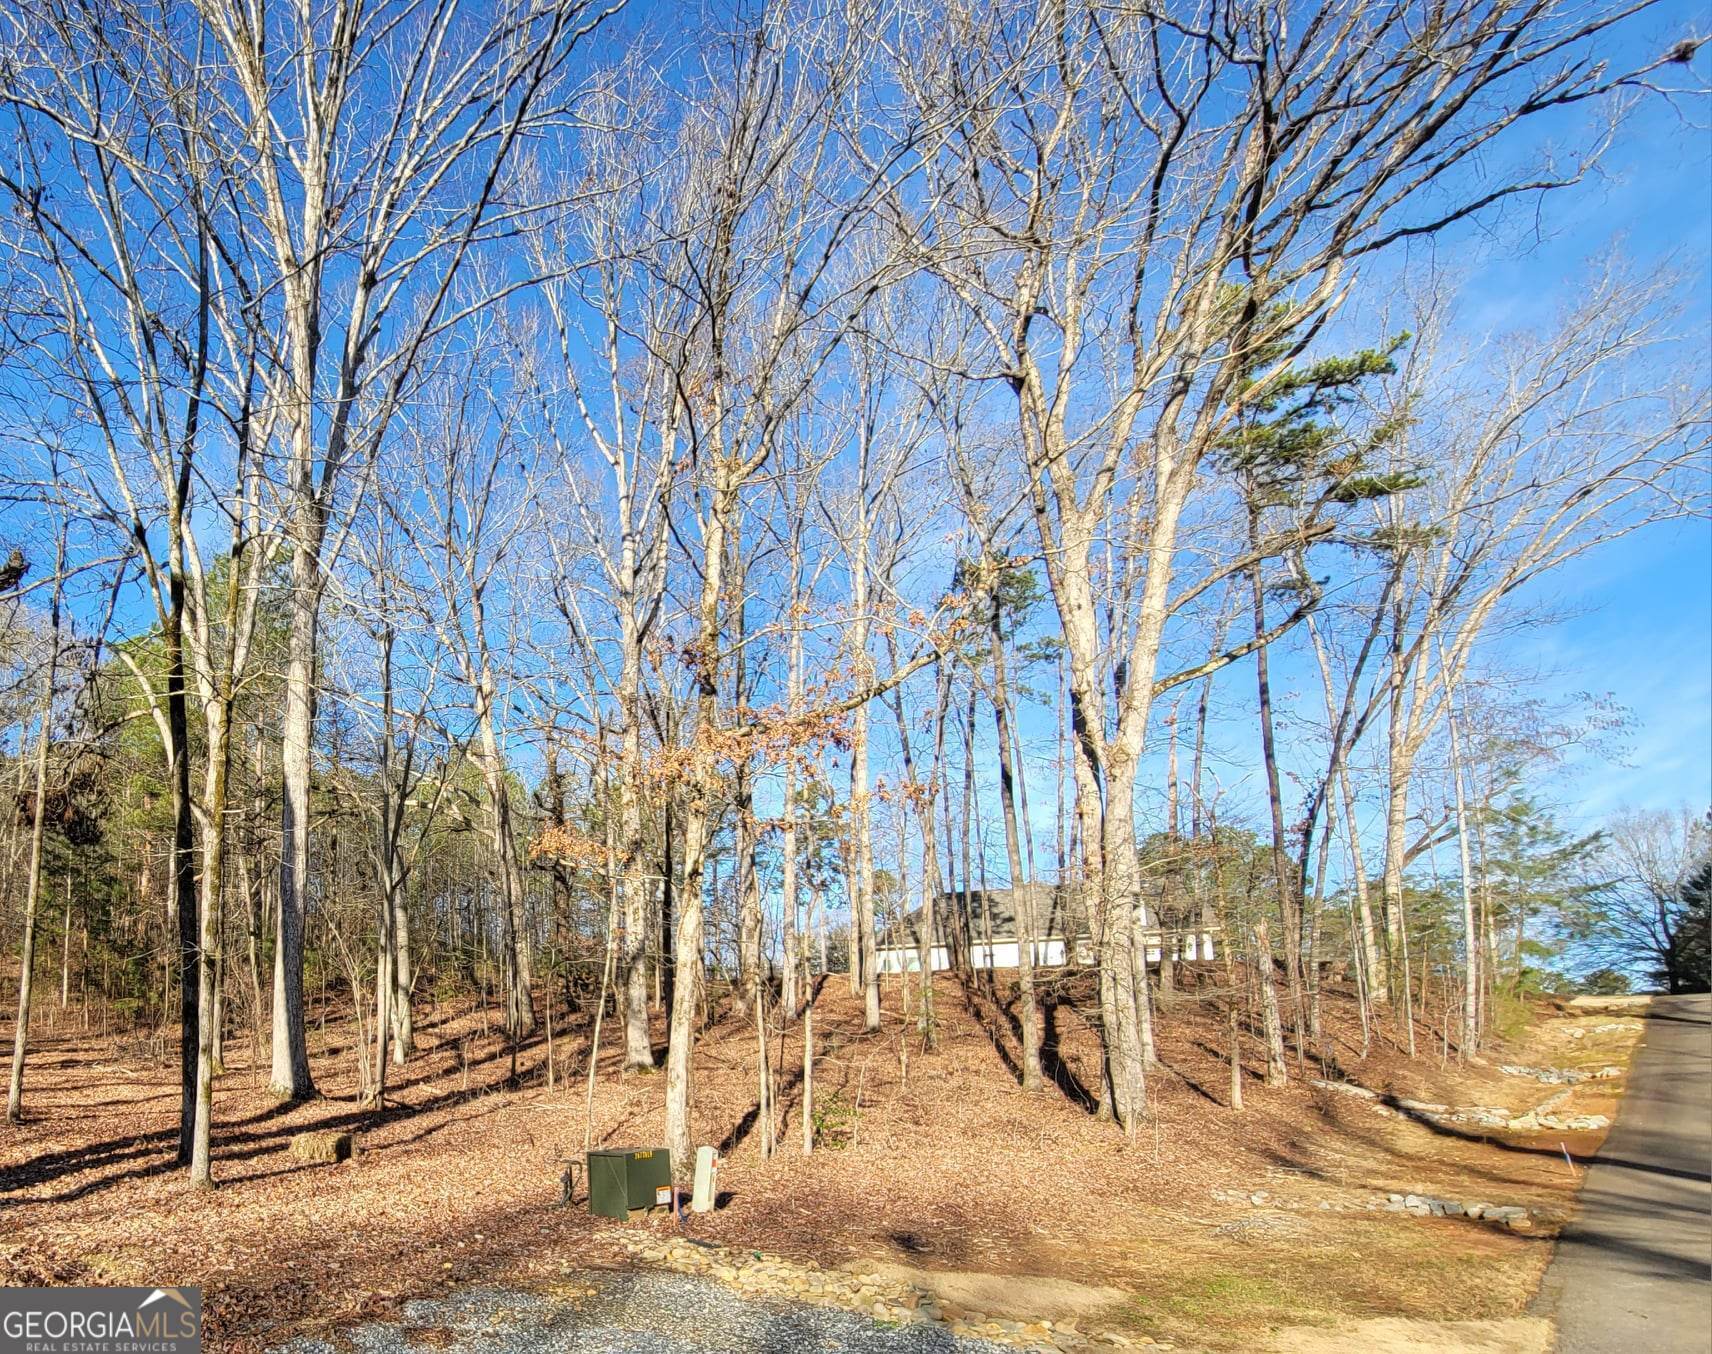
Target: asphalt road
(1633, 1274)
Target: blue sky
(1635, 626)
(1643, 632)
(1640, 625)
(1644, 641)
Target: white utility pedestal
(706, 1180)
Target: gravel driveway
(637, 1312)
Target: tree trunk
(749, 978)
(967, 821)
(383, 1001)
(1022, 887)
(33, 884)
(789, 998)
(401, 972)
(921, 807)
(686, 991)
(255, 919)
(1233, 1031)
(668, 909)
(394, 920)
(808, 1040)
(1143, 987)
(1284, 878)
(190, 969)
(519, 992)
(763, 1077)
(1117, 882)
(698, 792)
(638, 1042)
(1470, 930)
(1276, 1070)
(956, 921)
(1371, 954)
(864, 950)
(1169, 908)
(608, 963)
(220, 700)
(1398, 765)
(291, 1077)
(217, 722)
(748, 892)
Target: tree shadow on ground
(245, 1138)
(1053, 1064)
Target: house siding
(1047, 953)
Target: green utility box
(624, 1178)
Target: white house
(985, 922)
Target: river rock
(1344, 1088)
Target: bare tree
(378, 143)
(887, 427)
(49, 663)
(471, 469)
(607, 389)
(154, 334)
(1532, 457)
(393, 689)
(1140, 203)
(773, 175)
(1645, 909)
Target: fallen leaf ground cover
(943, 1164)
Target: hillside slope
(1218, 1225)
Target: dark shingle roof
(1057, 913)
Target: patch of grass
(1511, 1016)
(1346, 1269)
(1227, 1302)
